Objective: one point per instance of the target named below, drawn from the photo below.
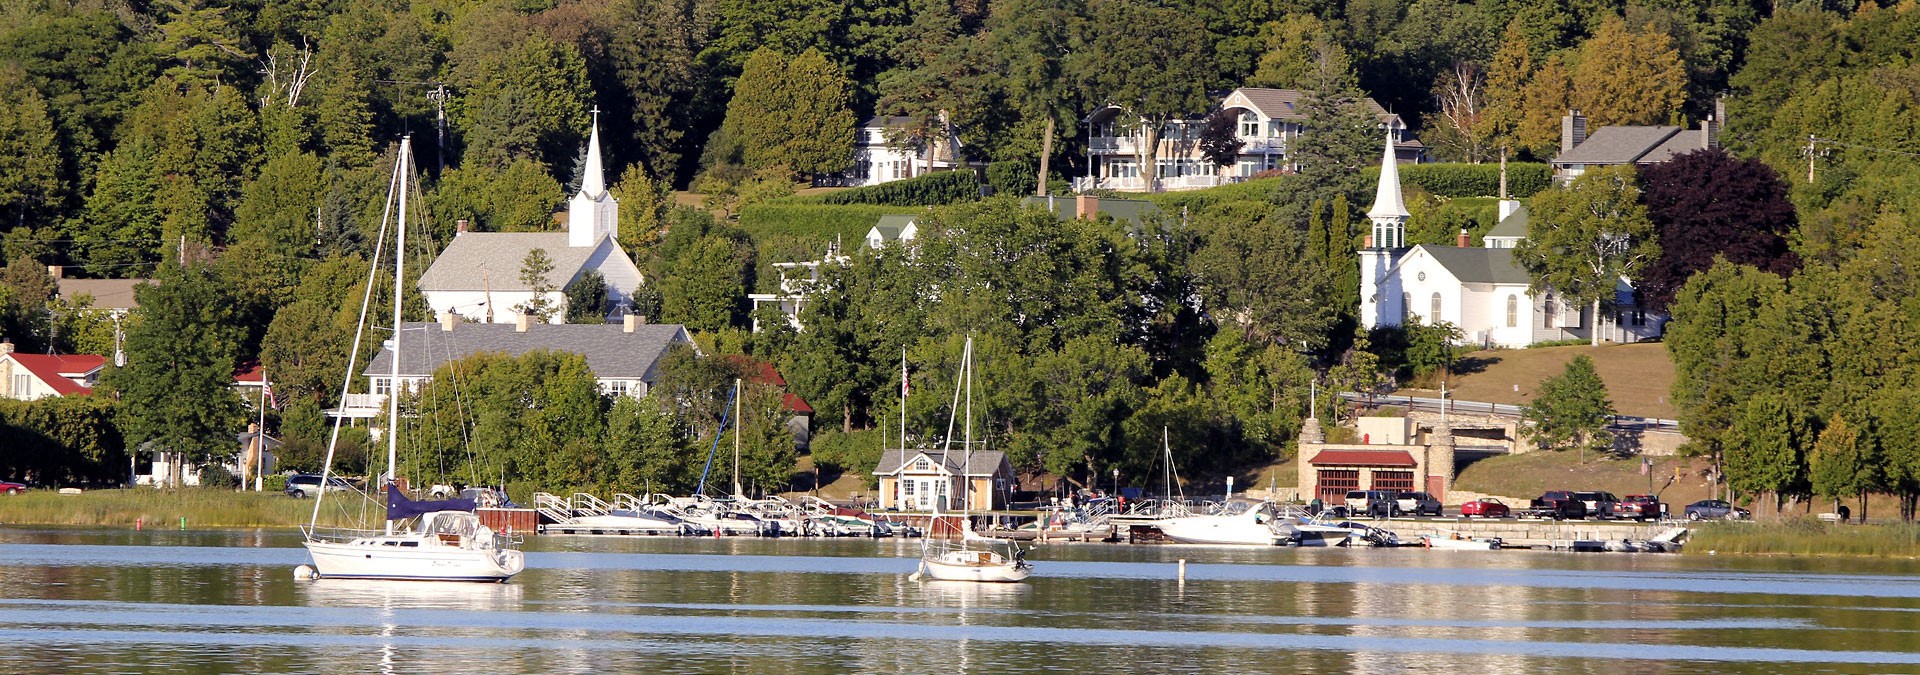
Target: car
(1485, 507)
(1417, 503)
(308, 485)
(1640, 507)
(1373, 502)
(1558, 505)
(1715, 509)
(10, 488)
(1600, 505)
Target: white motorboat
(1241, 522)
(1455, 541)
(422, 540)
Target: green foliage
(519, 198)
(933, 189)
(525, 100)
(705, 286)
(1571, 410)
(176, 390)
(792, 112)
(587, 298)
(1524, 179)
(1012, 178)
(1840, 465)
(1582, 240)
(62, 439)
(816, 222)
(534, 419)
(1256, 266)
(30, 178)
(857, 453)
(536, 271)
(1767, 446)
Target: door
(1334, 484)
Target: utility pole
(1810, 155)
(439, 98)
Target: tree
(1715, 316)
(1359, 369)
(1708, 203)
(1571, 409)
(1342, 135)
(1220, 138)
(1290, 59)
(587, 298)
(536, 273)
(706, 287)
(1507, 76)
(277, 209)
(1628, 77)
(176, 391)
(198, 38)
(1461, 127)
(1260, 276)
(1840, 466)
(1766, 449)
(26, 290)
(1106, 66)
(1583, 240)
(30, 180)
(525, 100)
(1899, 440)
(521, 197)
(791, 112)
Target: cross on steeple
(595, 111)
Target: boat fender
(305, 573)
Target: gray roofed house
(1478, 265)
(925, 479)
(1617, 145)
(114, 295)
(478, 262)
(1512, 226)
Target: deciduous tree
(1571, 410)
(1708, 203)
(177, 387)
(1583, 240)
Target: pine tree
(1628, 77)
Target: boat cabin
(930, 480)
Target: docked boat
(1310, 532)
(421, 540)
(1455, 541)
(1240, 522)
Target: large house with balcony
(624, 357)
(1270, 122)
(876, 159)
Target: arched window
(1547, 311)
(1433, 316)
(1513, 310)
(1406, 307)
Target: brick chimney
(447, 320)
(520, 321)
(1462, 241)
(632, 321)
(459, 227)
(57, 271)
(1086, 206)
(1573, 131)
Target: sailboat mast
(966, 480)
(736, 438)
(399, 280)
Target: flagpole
(903, 422)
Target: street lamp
(1116, 482)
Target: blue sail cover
(399, 507)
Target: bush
(1259, 190)
(1011, 178)
(934, 189)
(215, 475)
(275, 482)
(817, 222)
(1474, 180)
(840, 453)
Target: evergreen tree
(1106, 65)
(1627, 77)
(1840, 465)
(1342, 132)
(587, 298)
(344, 112)
(536, 272)
(1767, 447)
(30, 180)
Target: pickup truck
(1638, 507)
(1600, 505)
(1556, 504)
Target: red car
(1638, 507)
(7, 488)
(1485, 507)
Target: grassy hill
(1638, 376)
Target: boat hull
(371, 559)
(1005, 572)
(1219, 530)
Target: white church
(1480, 290)
(478, 276)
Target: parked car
(1417, 503)
(1639, 507)
(1372, 502)
(1602, 505)
(1485, 507)
(308, 485)
(1558, 505)
(1712, 509)
(7, 488)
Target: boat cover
(400, 507)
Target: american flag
(904, 385)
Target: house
(929, 480)
(623, 357)
(800, 424)
(35, 376)
(478, 275)
(797, 279)
(1269, 122)
(115, 296)
(876, 160)
(1480, 290)
(1638, 145)
(1391, 455)
(893, 228)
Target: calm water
(76, 600)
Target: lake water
(89, 600)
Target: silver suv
(308, 485)
(1371, 502)
(1417, 503)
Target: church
(1481, 290)
(477, 277)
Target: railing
(353, 401)
(553, 507)
(1504, 410)
(587, 504)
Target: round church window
(1421, 276)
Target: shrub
(837, 453)
(275, 482)
(816, 222)
(1474, 180)
(934, 189)
(215, 475)
(1011, 178)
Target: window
(382, 386)
(1276, 129)
(922, 464)
(1334, 483)
(1249, 124)
(1406, 307)
(20, 385)
(909, 484)
(1546, 312)
(1433, 316)
(618, 387)
(1639, 317)
(1513, 311)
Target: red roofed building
(1392, 455)
(33, 376)
(756, 371)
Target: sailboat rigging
(973, 557)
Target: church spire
(1389, 212)
(593, 181)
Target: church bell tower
(1379, 292)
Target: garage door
(1393, 480)
(1335, 483)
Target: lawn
(1527, 475)
(1638, 376)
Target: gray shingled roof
(1479, 265)
(1515, 224)
(107, 293)
(985, 462)
(1687, 140)
(1285, 104)
(611, 351)
(1617, 145)
(478, 261)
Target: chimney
(1719, 119)
(520, 321)
(6, 346)
(447, 320)
(459, 227)
(1706, 133)
(57, 272)
(1507, 207)
(1086, 206)
(1462, 242)
(633, 321)
(1573, 131)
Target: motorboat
(1241, 522)
(1455, 541)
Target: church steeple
(593, 212)
(593, 180)
(1389, 212)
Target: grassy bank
(1808, 537)
(165, 508)
(1525, 476)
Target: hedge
(821, 222)
(1257, 190)
(934, 189)
(1474, 180)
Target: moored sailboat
(973, 557)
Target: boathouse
(929, 480)
(1390, 455)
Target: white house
(478, 276)
(1480, 290)
(892, 228)
(33, 376)
(876, 160)
(797, 279)
(1270, 121)
(930, 480)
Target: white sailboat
(436, 540)
(973, 557)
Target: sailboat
(974, 557)
(433, 540)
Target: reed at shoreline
(1808, 537)
(201, 507)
